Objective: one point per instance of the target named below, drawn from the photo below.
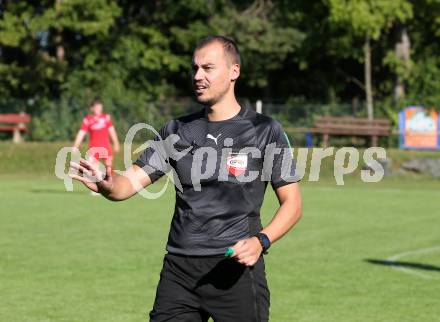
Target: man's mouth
(199, 89)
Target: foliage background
(55, 56)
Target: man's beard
(211, 100)
(206, 101)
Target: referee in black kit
(222, 158)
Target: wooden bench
(15, 123)
(348, 126)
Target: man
(99, 126)
(215, 154)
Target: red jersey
(97, 126)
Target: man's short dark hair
(230, 47)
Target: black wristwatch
(264, 241)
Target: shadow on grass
(426, 267)
(57, 191)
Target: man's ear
(235, 72)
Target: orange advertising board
(419, 128)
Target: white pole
(259, 106)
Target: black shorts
(193, 289)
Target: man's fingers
(90, 175)
(74, 165)
(82, 166)
(108, 172)
(86, 164)
(81, 178)
(248, 261)
(237, 247)
(80, 169)
(89, 166)
(93, 168)
(89, 184)
(244, 254)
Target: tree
(35, 38)
(368, 20)
(423, 87)
(262, 36)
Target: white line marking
(393, 259)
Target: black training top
(221, 170)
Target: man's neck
(224, 110)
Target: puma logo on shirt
(212, 137)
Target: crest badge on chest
(237, 163)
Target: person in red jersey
(100, 128)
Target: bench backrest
(15, 118)
(353, 125)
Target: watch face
(266, 241)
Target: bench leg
(309, 141)
(374, 140)
(325, 139)
(16, 137)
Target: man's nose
(198, 74)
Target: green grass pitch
(68, 256)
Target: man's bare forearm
(124, 186)
(120, 189)
(287, 215)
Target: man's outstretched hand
(90, 175)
